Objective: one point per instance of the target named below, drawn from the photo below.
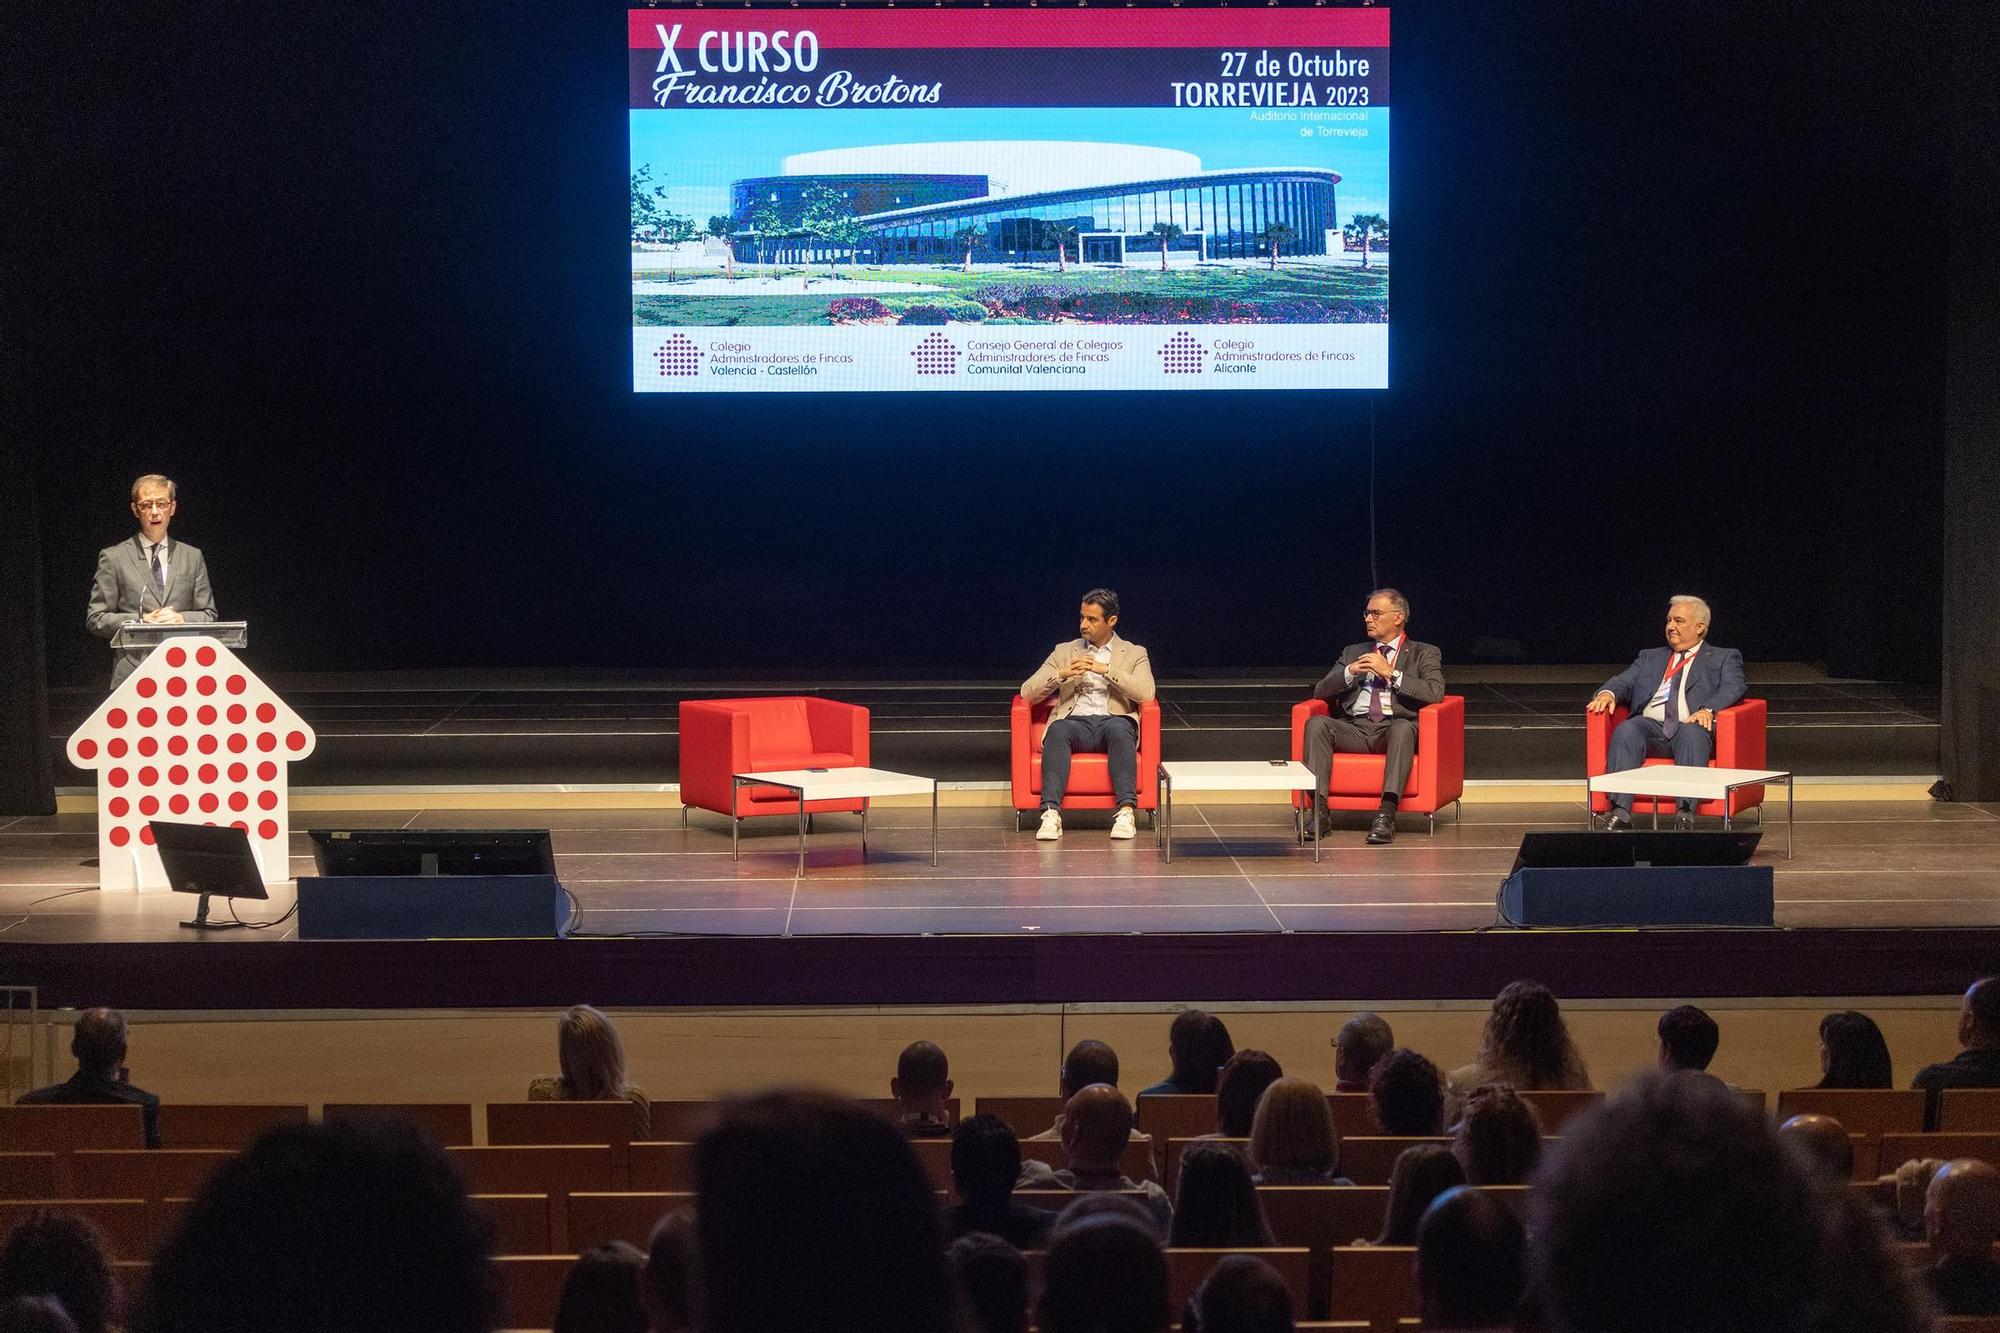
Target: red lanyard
(1675, 669)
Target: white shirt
(1657, 708)
(1359, 708)
(1093, 692)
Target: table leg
(864, 830)
(802, 830)
(1588, 797)
(934, 835)
(1788, 816)
(735, 820)
(1167, 813)
(1312, 817)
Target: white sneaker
(1051, 828)
(1124, 824)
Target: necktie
(159, 583)
(1375, 690)
(1672, 722)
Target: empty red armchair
(1739, 743)
(1089, 774)
(1437, 775)
(723, 737)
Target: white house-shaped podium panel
(192, 736)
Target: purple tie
(159, 583)
(1375, 692)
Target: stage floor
(639, 873)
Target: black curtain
(1970, 751)
(27, 778)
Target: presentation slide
(850, 200)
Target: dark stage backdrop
(1669, 295)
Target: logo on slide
(1181, 355)
(678, 356)
(936, 355)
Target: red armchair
(1739, 743)
(1437, 775)
(722, 737)
(1089, 774)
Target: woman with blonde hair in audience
(1526, 1045)
(593, 1067)
(1422, 1172)
(1293, 1140)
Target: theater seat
(1739, 743)
(1437, 774)
(723, 737)
(1089, 774)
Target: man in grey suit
(147, 577)
(1673, 694)
(1103, 680)
(1372, 696)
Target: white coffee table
(1277, 775)
(838, 784)
(1689, 784)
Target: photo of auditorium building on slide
(1017, 231)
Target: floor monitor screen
(946, 199)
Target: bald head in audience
(1825, 1143)
(1962, 1209)
(1097, 1124)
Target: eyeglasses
(143, 505)
(1372, 614)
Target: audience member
(1910, 1185)
(922, 1087)
(602, 1292)
(593, 1067)
(1824, 1143)
(985, 1161)
(1123, 1206)
(1499, 1138)
(1962, 1221)
(1103, 1275)
(1422, 1172)
(1362, 1041)
(35, 1314)
(1673, 1208)
(60, 1255)
(356, 1224)
(1472, 1262)
(1241, 1294)
(1852, 1053)
(98, 1043)
(1198, 1045)
(667, 1286)
(1978, 1064)
(991, 1280)
(1088, 1062)
(812, 1213)
(1526, 1045)
(1409, 1094)
(1237, 1091)
(1292, 1138)
(1688, 1038)
(1215, 1203)
(1096, 1127)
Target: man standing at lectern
(1102, 681)
(147, 577)
(1372, 695)
(1673, 694)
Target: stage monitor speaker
(429, 907)
(1637, 879)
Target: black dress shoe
(1615, 821)
(1319, 819)
(1382, 830)
(1683, 823)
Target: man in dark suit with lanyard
(1372, 696)
(148, 578)
(1673, 694)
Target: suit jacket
(1420, 678)
(95, 1090)
(1714, 679)
(1130, 675)
(123, 590)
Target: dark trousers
(1116, 738)
(1638, 739)
(1395, 737)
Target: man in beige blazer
(1102, 681)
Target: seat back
(891, 1110)
(1177, 1115)
(223, 1125)
(1376, 1283)
(1353, 1114)
(683, 1120)
(144, 1173)
(64, 1129)
(133, 1228)
(1186, 1268)
(1555, 1108)
(1322, 1216)
(1867, 1111)
(1969, 1110)
(779, 731)
(557, 1170)
(935, 1156)
(520, 1222)
(595, 1218)
(1899, 1148)
(1369, 1160)
(531, 1288)
(608, 1122)
(27, 1175)
(662, 1166)
(449, 1123)
(1024, 1115)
